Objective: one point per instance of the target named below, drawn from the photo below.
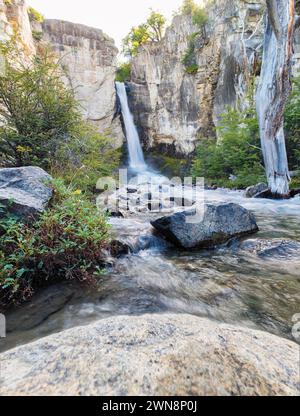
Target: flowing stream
(253, 282)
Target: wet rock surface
(216, 224)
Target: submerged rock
(256, 190)
(149, 355)
(25, 191)
(217, 224)
(280, 249)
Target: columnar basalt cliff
(174, 109)
(90, 58)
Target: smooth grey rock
(25, 191)
(217, 224)
(254, 191)
(165, 355)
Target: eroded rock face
(90, 59)
(25, 191)
(216, 224)
(153, 355)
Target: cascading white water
(136, 157)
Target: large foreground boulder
(153, 355)
(25, 191)
(216, 224)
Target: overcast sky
(114, 17)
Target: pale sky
(114, 17)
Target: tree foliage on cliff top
(151, 31)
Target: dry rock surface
(153, 355)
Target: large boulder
(216, 224)
(25, 191)
(172, 355)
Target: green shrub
(124, 72)
(189, 59)
(82, 160)
(34, 15)
(67, 242)
(37, 36)
(237, 152)
(198, 14)
(292, 126)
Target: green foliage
(200, 18)
(37, 109)
(292, 126)
(37, 36)
(198, 14)
(170, 166)
(151, 31)
(237, 152)
(67, 242)
(43, 125)
(124, 72)
(84, 159)
(189, 59)
(35, 15)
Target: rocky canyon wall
(174, 109)
(90, 58)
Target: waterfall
(136, 157)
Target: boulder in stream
(25, 191)
(216, 224)
(153, 355)
(256, 190)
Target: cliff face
(173, 109)
(90, 59)
(14, 19)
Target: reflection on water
(254, 282)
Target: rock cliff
(14, 19)
(90, 58)
(173, 108)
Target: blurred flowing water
(253, 282)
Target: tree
(151, 31)
(136, 37)
(273, 91)
(156, 23)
